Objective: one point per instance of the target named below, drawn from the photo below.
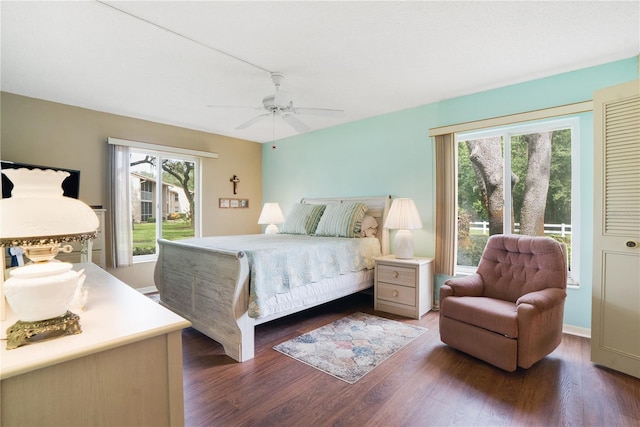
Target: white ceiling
(167, 61)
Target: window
(518, 179)
(146, 201)
(157, 181)
(154, 192)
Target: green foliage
(172, 169)
(470, 192)
(472, 203)
(175, 216)
(144, 235)
(146, 250)
(471, 254)
(559, 195)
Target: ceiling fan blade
(235, 106)
(325, 112)
(295, 123)
(252, 121)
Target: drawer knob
(394, 293)
(396, 274)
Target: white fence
(561, 229)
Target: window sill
(139, 259)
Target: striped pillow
(342, 220)
(303, 219)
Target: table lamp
(403, 216)
(38, 219)
(272, 215)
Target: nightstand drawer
(396, 275)
(397, 294)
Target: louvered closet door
(615, 324)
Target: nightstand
(403, 286)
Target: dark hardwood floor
(424, 384)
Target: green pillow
(303, 219)
(342, 220)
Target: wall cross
(235, 180)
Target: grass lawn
(144, 234)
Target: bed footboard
(211, 289)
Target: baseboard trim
(576, 330)
(147, 290)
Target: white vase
(41, 291)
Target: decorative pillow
(303, 219)
(369, 227)
(342, 220)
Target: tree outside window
(162, 199)
(515, 180)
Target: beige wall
(50, 134)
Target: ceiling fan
(281, 104)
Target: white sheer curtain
(121, 242)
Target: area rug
(351, 347)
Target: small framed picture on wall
(224, 203)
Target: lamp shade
(37, 210)
(271, 214)
(403, 215)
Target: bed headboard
(378, 207)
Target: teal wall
(393, 154)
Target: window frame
(159, 201)
(516, 129)
(119, 193)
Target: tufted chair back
(514, 265)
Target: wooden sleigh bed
(211, 286)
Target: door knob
(631, 244)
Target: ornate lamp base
(21, 332)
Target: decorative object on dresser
(403, 286)
(403, 216)
(351, 347)
(289, 271)
(271, 214)
(38, 218)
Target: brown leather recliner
(510, 312)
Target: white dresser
(124, 369)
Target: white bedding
(282, 263)
(315, 293)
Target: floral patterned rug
(351, 347)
